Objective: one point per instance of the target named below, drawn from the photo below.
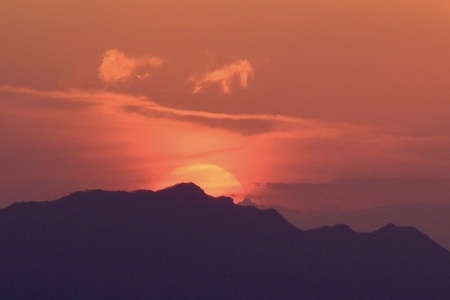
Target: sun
(214, 180)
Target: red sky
(308, 104)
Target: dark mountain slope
(182, 243)
(432, 219)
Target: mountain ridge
(182, 243)
(431, 219)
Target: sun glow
(214, 180)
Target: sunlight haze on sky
(308, 104)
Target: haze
(309, 104)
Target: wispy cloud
(363, 191)
(245, 124)
(304, 157)
(239, 71)
(364, 184)
(142, 105)
(117, 67)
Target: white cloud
(240, 71)
(117, 67)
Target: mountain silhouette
(180, 243)
(430, 218)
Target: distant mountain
(432, 219)
(180, 243)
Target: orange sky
(308, 104)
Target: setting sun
(215, 181)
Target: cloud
(362, 192)
(244, 124)
(363, 184)
(305, 157)
(117, 67)
(55, 142)
(239, 71)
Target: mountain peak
(185, 188)
(247, 202)
(389, 227)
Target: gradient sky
(308, 104)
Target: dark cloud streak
(363, 191)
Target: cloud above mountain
(117, 67)
(237, 73)
(113, 94)
(142, 139)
